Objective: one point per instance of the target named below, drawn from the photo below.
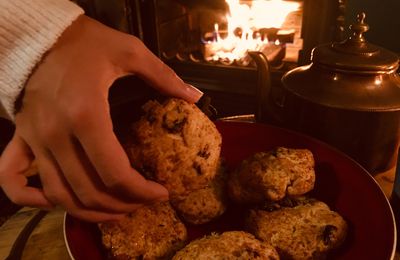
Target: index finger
(149, 67)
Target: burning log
(275, 52)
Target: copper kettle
(349, 97)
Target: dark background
(383, 17)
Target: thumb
(14, 162)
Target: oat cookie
(151, 232)
(227, 246)
(272, 176)
(298, 228)
(206, 204)
(177, 145)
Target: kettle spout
(263, 87)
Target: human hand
(65, 125)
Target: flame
(248, 17)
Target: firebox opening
(188, 34)
(222, 32)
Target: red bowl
(340, 182)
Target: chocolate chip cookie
(227, 246)
(151, 232)
(206, 204)
(299, 228)
(175, 144)
(272, 176)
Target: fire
(243, 24)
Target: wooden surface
(47, 241)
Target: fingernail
(163, 195)
(193, 93)
(164, 198)
(159, 193)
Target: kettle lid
(355, 54)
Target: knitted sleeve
(28, 28)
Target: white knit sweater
(28, 28)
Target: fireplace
(188, 35)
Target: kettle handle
(263, 87)
(264, 101)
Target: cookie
(206, 204)
(226, 246)
(175, 144)
(151, 232)
(272, 176)
(298, 228)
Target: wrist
(29, 29)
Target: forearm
(28, 29)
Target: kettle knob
(359, 28)
(356, 44)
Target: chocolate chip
(174, 126)
(328, 234)
(204, 153)
(288, 202)
(253, 253)
(271, 207)
(151, 118)
(236, 253)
